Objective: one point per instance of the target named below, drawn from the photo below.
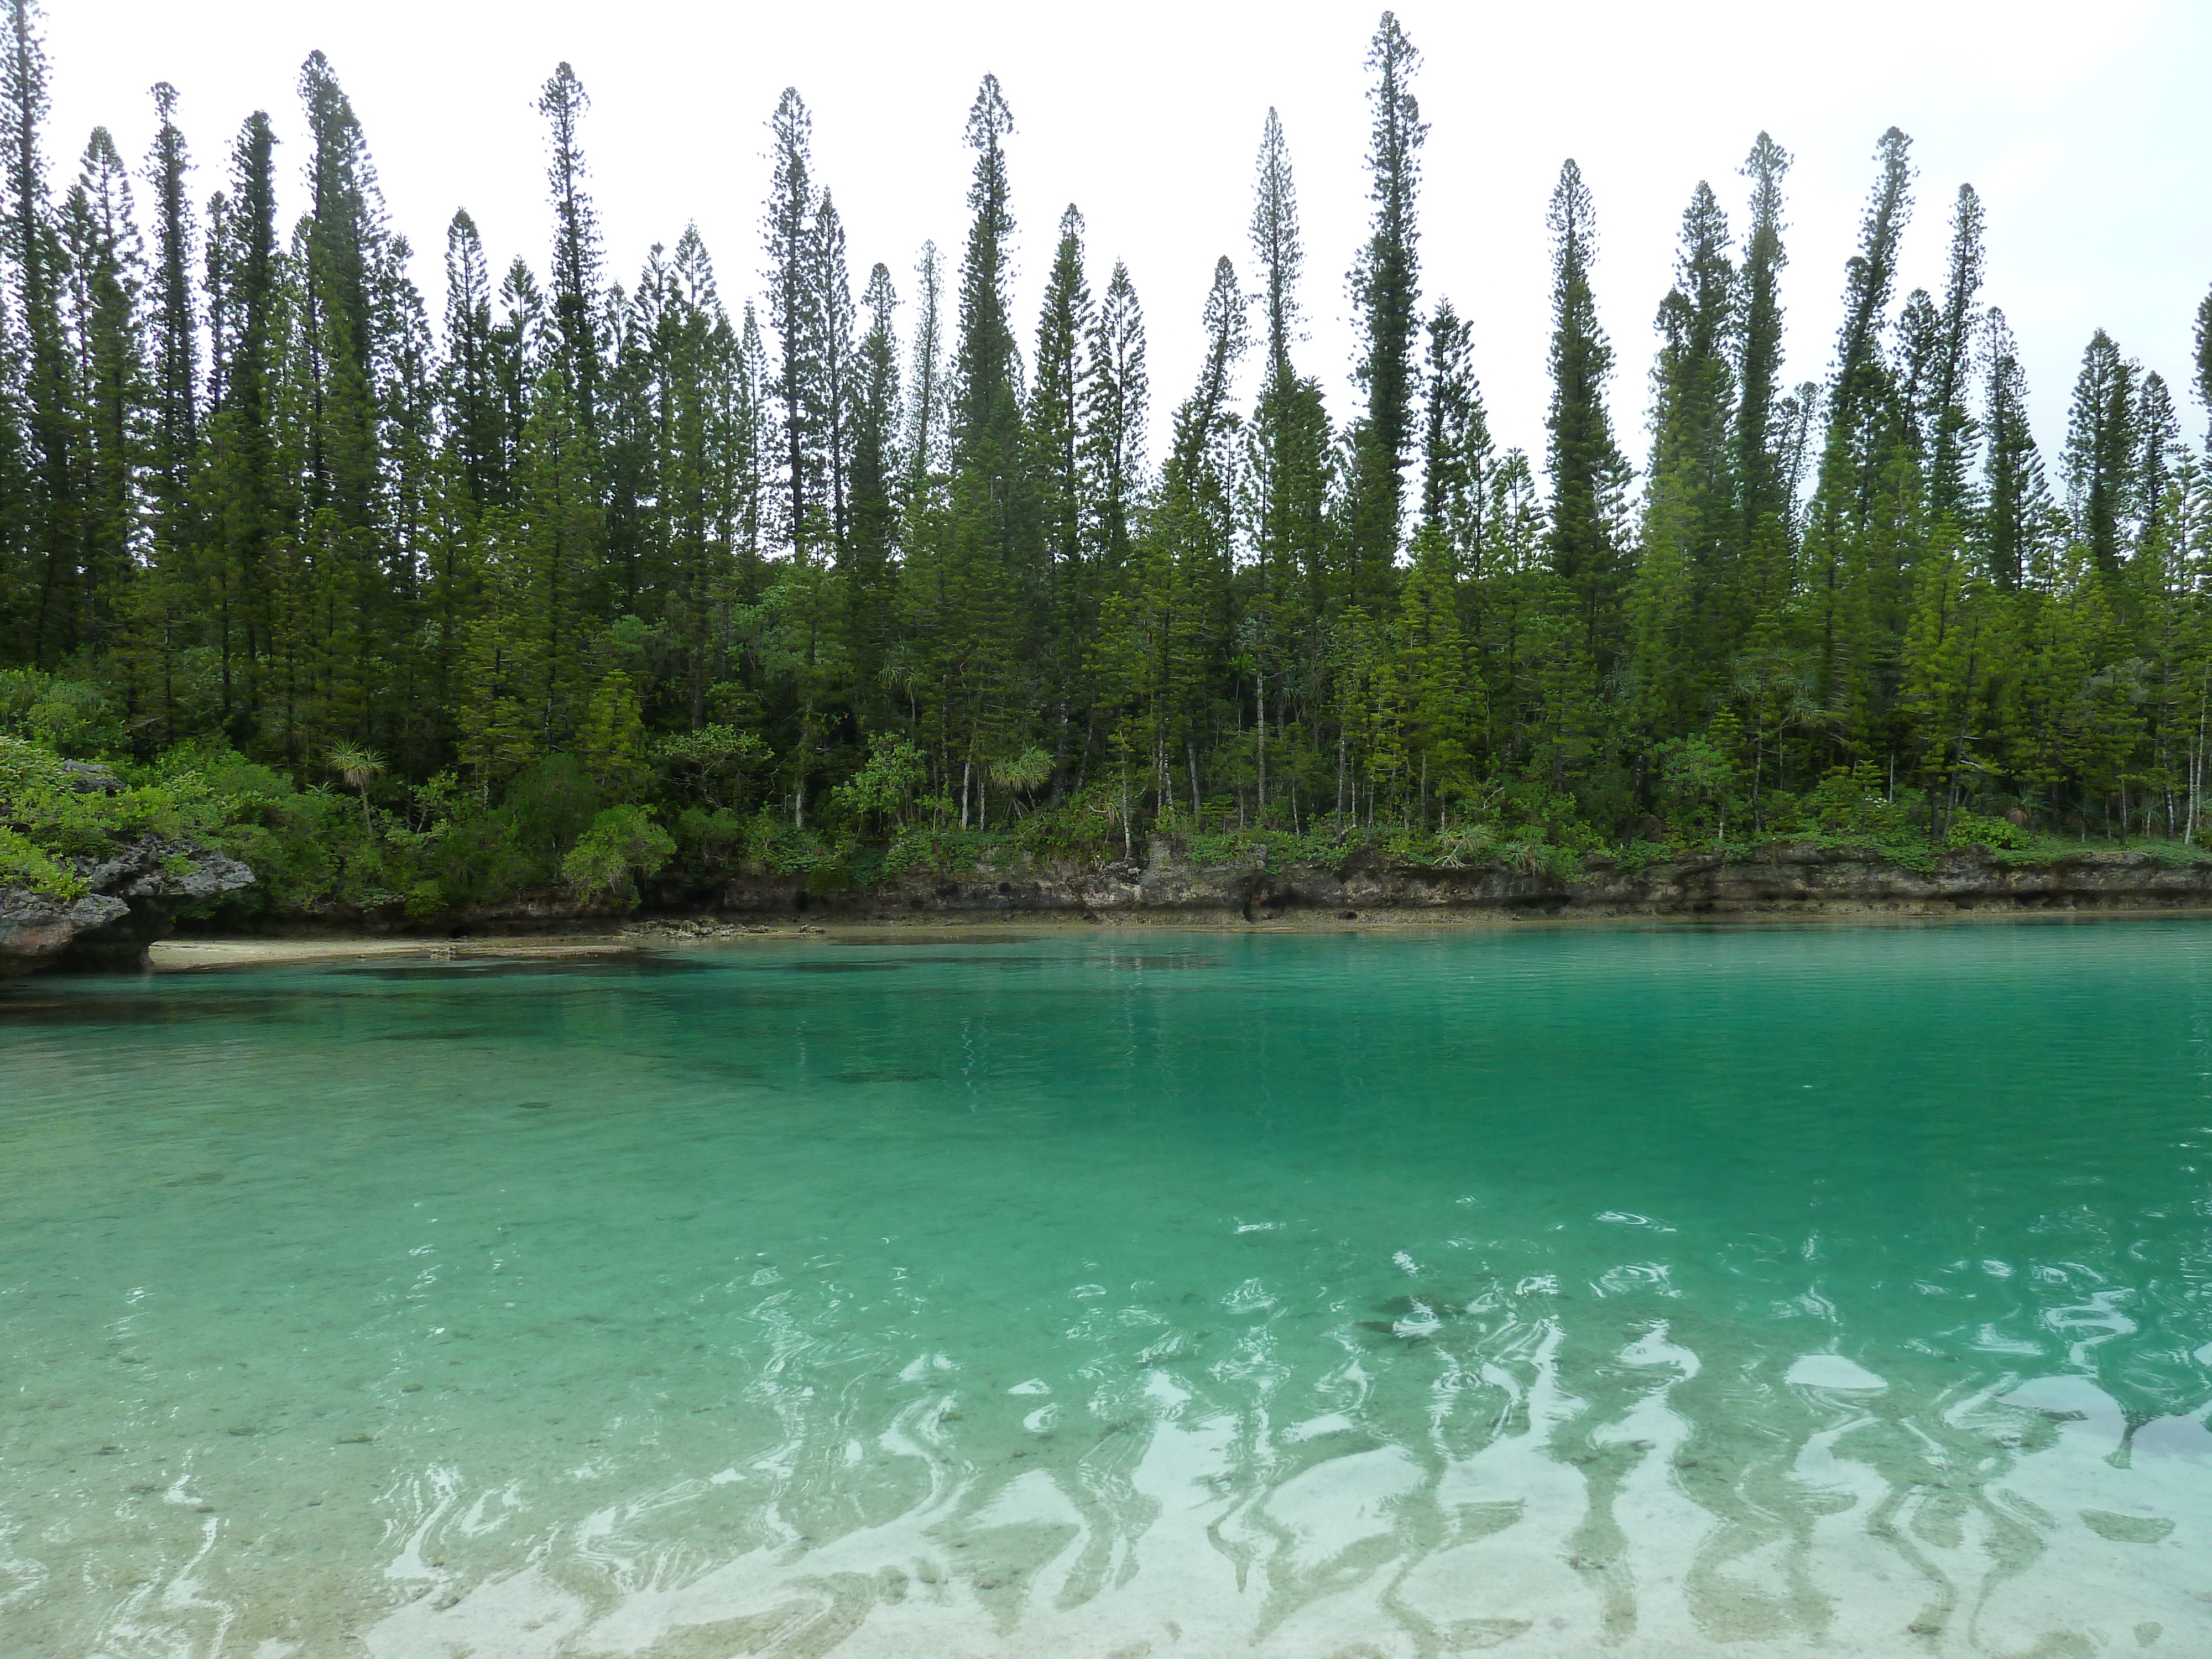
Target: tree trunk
(1260, 680)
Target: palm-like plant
(360, 768)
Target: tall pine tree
(1386, 291)
(1588, 473)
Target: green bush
(1972, 830)
(40, 803)
(881, 791)
(68, 716)
(716, 763)
(1851, 802)
(552, 806)
(22, 865)
(623, 844)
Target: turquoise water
(1659, 1292)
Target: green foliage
(551, 807)
(612, 743)
(621, 845)
(23, 865)
(70, 717)
(1850, 801)
(1699, 780)
(414, 604)
(1973, 830)
(716, 763)
(883, 790)
(46, 820)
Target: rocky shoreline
(138, 893)
(1777, 879)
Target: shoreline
(1777, 884)
(217, 952)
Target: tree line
(849, 555)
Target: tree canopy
(822, 564)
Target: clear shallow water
(1664, 1293)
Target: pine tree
(339, 280)
(1276, 245)
(246, 311)
(576, 252)
(413, 518)
(2101, 452)
(1437, 698)
(1947, 429)
(983, 564)
(1765, 506)
(1202, 455)
(1164, 622)
(1863, 380)
(103, 287)
(927, 416)
(987, 415)
(1114, 417)
(838, 387)
(1456, 451)
(1199, 487)
(1864, 428)
(747, 440)
(1588, 471)
(621, 442)
(2016, 500)
(2203, 340)
(876, 426)
(476, 411)
(1059, 386)
(2158, 435)
(1951, 649)
(173, 449)
(875, 482)
(553, 561)
(52, 513)
(691, 364)
(336, 594)
(1386, 291)
(1291, 441)
(793, 299)
(1684, 598)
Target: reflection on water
(1649, 1293)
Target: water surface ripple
(1657, 1293)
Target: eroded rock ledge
(137, 889)
(1778, 879)
(137, 893)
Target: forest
(589, 580)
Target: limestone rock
(137, 890)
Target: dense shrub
(621, 845)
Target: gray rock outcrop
(137, 888)
(1779, 880)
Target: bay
(1843, 1288)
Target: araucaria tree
(856, 566)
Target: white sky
(2083, 127)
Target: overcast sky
(2085, 129)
